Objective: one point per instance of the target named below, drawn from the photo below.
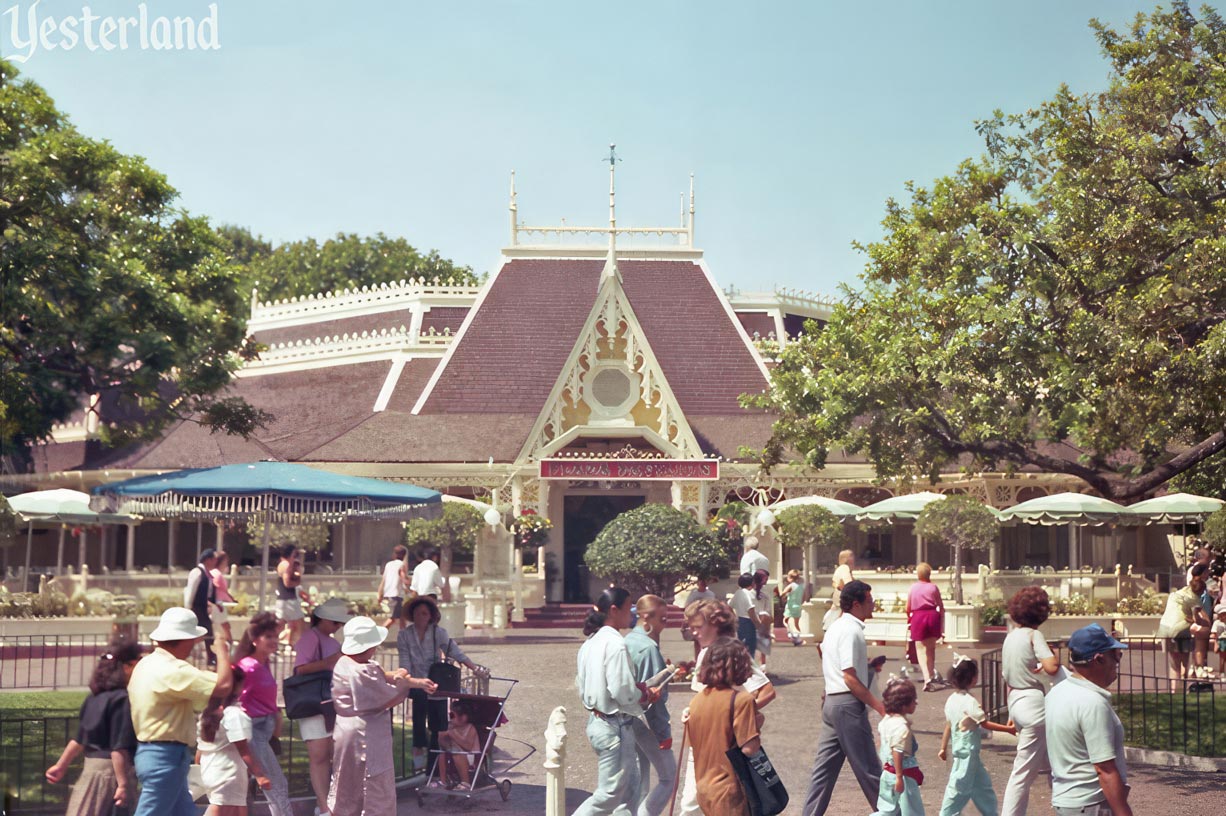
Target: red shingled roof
(759, 322)
(510, 355)
(444, 317)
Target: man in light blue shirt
(1085, 739)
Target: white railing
(345, 300)
(345, 345)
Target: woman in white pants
(710, 620)
(615, 700)
(1025, 660)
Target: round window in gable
(612, 392)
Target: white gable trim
(611, 304)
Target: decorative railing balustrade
(378, 297)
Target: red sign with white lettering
(630, 469)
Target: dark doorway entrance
(584, 518)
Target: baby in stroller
(461, 745)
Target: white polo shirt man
(844, 647)
(1085, 738)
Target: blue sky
(798, 118)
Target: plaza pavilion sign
(630, 469)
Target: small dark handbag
(446, 675)
(305, 693)
(763, 788)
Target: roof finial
(514, 213)
(610, 267)
(691, 224)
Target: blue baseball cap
(1091, 640)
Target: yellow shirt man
(164, 694)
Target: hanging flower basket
(531, 529)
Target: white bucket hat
(333, 609)
(361, 633)
(177, 623)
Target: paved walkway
(544, 662)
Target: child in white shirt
(742, 604)
(899, 793)
(964, 717)
(1218, 635)
(224, 732)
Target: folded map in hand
(662, 677)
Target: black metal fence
(31, 744)
(1186, 715)
(54, 662)
(49, 662)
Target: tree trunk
(958, 574)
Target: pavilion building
(598, 368)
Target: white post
(344, 544)
(264, 564)
(172, 533)
(130, 556)
(84, 540)
(555, 763)
(199, 540)
(919, 547)
(59, 553)
(25, 575)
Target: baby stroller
(487, 714)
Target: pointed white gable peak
(611, 385)
(610, 270)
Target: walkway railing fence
(1186, 716)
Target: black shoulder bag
(443, 672)
(763, 788)
(305, 694)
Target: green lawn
(35, 727)
(1193, 724)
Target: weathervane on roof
(610, 267)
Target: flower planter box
(961, 624)
(1060, 627)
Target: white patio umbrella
(1074, 509)
(843, 510)
(908, 506)
(56, 507)
(1175, 508)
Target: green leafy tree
(1207, 478)
(961, 522)
(106, 288)
(309, 267)
(811, 526)
(654, 549)
(8, 524)
(1214, 531)
(454, 531)
(1057, 303)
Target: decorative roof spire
(514, 213)
(691, 224)
(610, 266)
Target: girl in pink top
(259, 702)
(926, 621)
(222, 586)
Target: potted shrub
(656, 549)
